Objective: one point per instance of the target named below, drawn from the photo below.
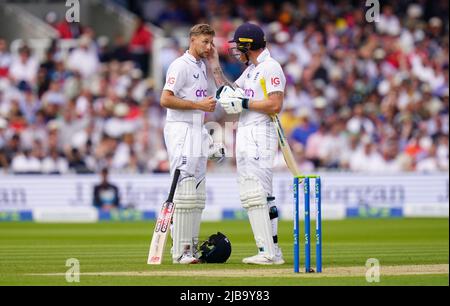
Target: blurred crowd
(361, 96)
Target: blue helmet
(217, 249)
(249, 36)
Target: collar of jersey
(191, 57)
(263, 56)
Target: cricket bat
(282, 140)
(159, 238)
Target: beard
(203, 54)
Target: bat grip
(174, 185)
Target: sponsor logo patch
(201, 93)
(171, 81)
(275, 81)
(249, 93)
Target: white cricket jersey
(250, 82)
(187, 79)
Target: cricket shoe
(260, 259)
(186, 259)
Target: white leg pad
(254, 199)
(185, 202)
(201, 199)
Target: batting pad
(254, 199)
(201, 199)
(183, 218)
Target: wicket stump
(305, 179)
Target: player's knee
(186, 193)
(251, 192)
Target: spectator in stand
(29, 105)
(120, 50)
(313, 144)
(430, 163)
(335, 145)
(366, 158)
(24, 67)
(3, 162)
(3, 127)
(302, 132)
(55, 163)
(87, 55)
(77, 163)
(12, 147)
(5, 59)
(141, 45)
(66, 30)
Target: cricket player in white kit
(258, 93)
(186, 98)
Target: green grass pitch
(116, 254)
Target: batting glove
(232, 101)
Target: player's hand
(207, 105)
(239, 93)
(231, 100)
(213, 57)
(231, 105)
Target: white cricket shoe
(186, 259)
(251, 259)
(261, 259)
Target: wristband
(245, 103)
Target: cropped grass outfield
(116, 254)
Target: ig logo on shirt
(171, 81)
(275, 81)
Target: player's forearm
(271, 105)
(219, 77)
(263, 106)
(267, 106)
(174, 102)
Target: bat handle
(174, 185)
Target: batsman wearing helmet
(187, 141)
(255, 95)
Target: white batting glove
(239, 93)
(230, 100)
(231, 105)
(225, 91)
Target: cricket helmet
(217, 249)
(249, 36)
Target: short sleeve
(241, 81)
(175, 78)
(275, 79)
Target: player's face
(234, 52)
(202, 45)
